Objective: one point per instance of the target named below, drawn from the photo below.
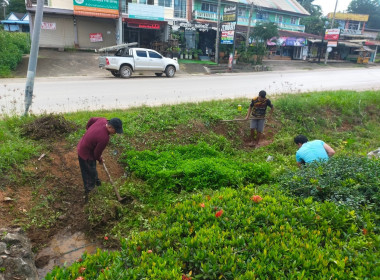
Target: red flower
(81, 269)
(256, 198)
(106, 238)
(80, 260)
(202, 205)
(80, 278)
(184, 277)
(219, 213)
(365, 231)
(149, 251)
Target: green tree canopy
(367, 7)
(16, 6)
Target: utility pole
(332, 26)
(32, 66)
(249, 27)
(120, 25)
(217, 34)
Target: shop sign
(144, 25)
(96, 37)
(229, 13)
(97, 6)
(332, 34)
(142, 11)
(227, 37)
(287, 41)
(332, 43)
(228, 26)
(195, 26)
(48, 25)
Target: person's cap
(116, 124)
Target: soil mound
(48, 127)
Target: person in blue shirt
(311, 151)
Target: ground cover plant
(173, 161)
(242, 234)
(12, 46)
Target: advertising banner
(100, 8)
(229, 13)
(287, 41)
(332, 43)
(96, 37)
(332, 34)
(149, 12)
(48, 25)
(227, 37)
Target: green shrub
(352, 181)
(193, 167)
(276, 238)
(12, 46)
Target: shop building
(16, 22)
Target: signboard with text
(96, 37)
(228, 32)
(149, 12)
(332, 34)
(100, 8)
(144, 25)
(48, 25)
(332, 43)
(229, 13)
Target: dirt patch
(54, 189)
(48, 127)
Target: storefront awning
(93, 14)
(350, 44)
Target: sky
(328, 6)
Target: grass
(189, 61)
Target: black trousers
(89, 174)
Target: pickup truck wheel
(115, 73)
(170, 71)
(158, 74)
(125, 72)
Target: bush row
(193, 167)
(352, 181)
(237, 234)
(12, 46)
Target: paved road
(92, 93)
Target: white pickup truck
(128, 60)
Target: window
(180, 8)
(262, 15)
(207, 7)
(141, 53)
(280, 18)
(241, 12)
(293, 20)
(154, 55)
(165, 3)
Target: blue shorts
(258, 124)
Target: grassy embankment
(195, 170)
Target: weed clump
(48, 127)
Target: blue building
(16, 22)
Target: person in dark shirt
(91, 147)
(258, 109)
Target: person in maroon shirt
(91, 147)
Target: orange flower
(365, 231)
(256, 198)
(219, 213)
(80, 260)
(202, 205)
(149, 251)
(81, 269)
(80, 278)
(106, 238)
(184, 277)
